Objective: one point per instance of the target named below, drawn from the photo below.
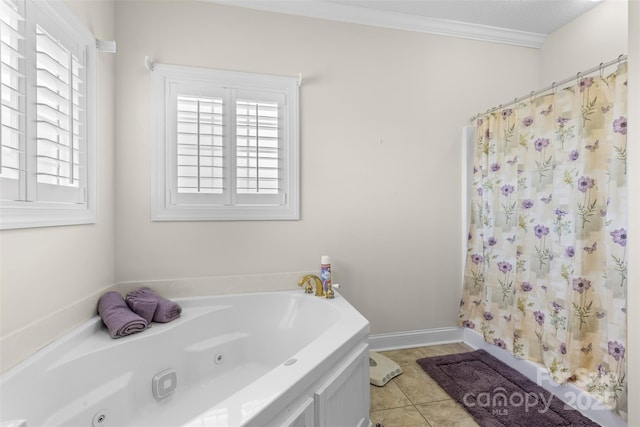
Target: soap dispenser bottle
(325, 275)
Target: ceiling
(519, 22)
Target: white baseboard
(409, 339)
(579, 399)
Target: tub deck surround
(253, 360)
(219, 285)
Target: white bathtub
(276, 358)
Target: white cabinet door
(302, 417)
(343, 401)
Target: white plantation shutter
(206, 155)
(60, 111)
(12, 93)
(258, 140)
(195, 128)
(226, 145)
(48, 111)
(200, 147)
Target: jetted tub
(264, 359)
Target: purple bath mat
(496, 395)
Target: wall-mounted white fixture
(148, 63)
(108, 46)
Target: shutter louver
(257, 147)
(12, 93)
(60, 110)
(200, 145)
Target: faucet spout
(306, 281)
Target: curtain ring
(553, 87)
(620, 58)
(578, 78)
(601, 69)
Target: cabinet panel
(302, 417)
(343, 401)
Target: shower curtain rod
(554, 85)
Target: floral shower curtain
(546, 271)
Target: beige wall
(597, 36)
(387, 213)
(51, 278)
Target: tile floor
(413, 399)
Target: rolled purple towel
(143, 306)
(117, 316)
(165, 311)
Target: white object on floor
(382, 369)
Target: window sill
(226, 213)
(16, 215)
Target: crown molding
(399, 21)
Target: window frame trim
(30, 214)
(162, 208)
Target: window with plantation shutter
(48, 109)
(225, 145)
